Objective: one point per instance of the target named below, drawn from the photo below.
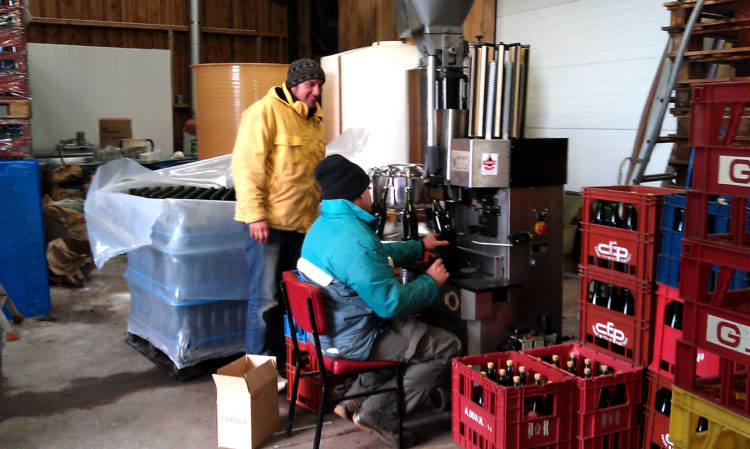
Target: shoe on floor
(280, 383)
(387, 436)
(346, 409)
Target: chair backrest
(297, 293)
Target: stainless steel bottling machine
(496, 195)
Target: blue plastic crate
(718, 214)
(301, 334)
(23, 270)
(671, 243)
(668, 270)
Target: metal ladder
(656, 107)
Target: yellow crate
(726, 429)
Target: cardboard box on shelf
(247, 402)
(112, 130)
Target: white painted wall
(72, 87)
(591, 68)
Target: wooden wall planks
(363, 22)
(233, 31)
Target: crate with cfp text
(247, 402)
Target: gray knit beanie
(302, 70)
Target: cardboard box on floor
(247, 402)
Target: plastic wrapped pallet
(187, 272)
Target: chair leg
(293, 401)
(319, 426)
(400, 404)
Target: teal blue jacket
(342, 242)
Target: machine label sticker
(666, 441)
(610, 251)
(536, 429)
(489, 164)
(610, 333)
(460, 160)
(734, 171)
(728, 334)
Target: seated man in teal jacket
(368, 308)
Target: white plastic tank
(368, 88)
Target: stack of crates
(620, 235)
(712, 409)
(15, 110)
(668, 326)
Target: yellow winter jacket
(276, 151)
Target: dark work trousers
(265, 327)
(427, 351)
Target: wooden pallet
(162, 361)
(15, 108)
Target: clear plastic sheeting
(118, 222)
(189, 332)
(187, 272)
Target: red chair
(305, 308)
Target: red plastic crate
(14, 86)
(624, 439)
(13, 38)
(13, 64)
(708, 105)
(620, 251)
(11, 17)
(641, 290)
(646, 200)
(501, 422)
(615, 334)
(656, 431)
(625, 337)
(308, 391)
(656, 382)
(717, 321)
(665, 339)
(720, 165)
(730, 389)
(592, 421)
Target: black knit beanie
(339, 178)
(302, 70)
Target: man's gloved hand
(430, 242)
(438, 272)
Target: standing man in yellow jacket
(279, 143)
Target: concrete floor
(71, 381)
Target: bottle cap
(483, 373)
(555, 357)
(570, 364)
(516, 379)
(503, 372)
(604, 368)
(572, 355)
(490, 365)
(521, 369)
(509, 363)
(586, 371)
(587, 361)
(537, 376)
